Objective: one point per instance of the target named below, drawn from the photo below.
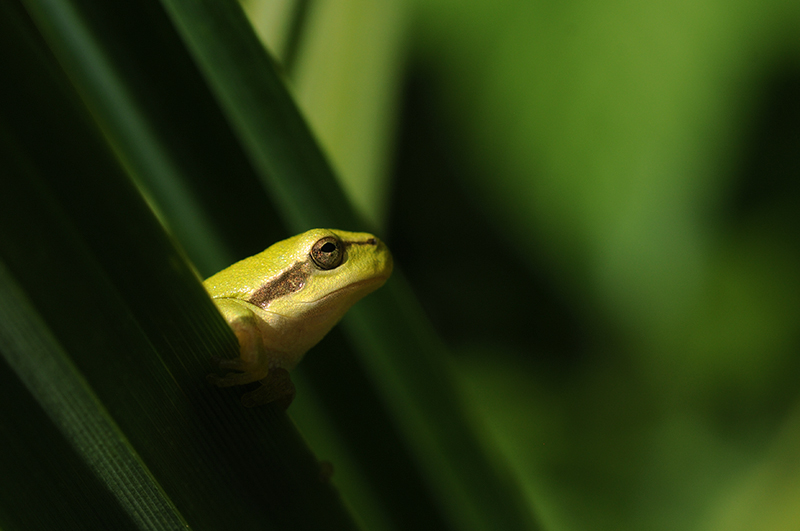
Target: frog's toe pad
(226, 364)
(234, 378)
(276, 387)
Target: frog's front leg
(253, 361)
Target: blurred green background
(597, 204)
(594, 203)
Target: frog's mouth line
(376, 280)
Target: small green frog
(282, 301)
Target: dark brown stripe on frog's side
(291, 280)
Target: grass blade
(127, 324)
(407, 366)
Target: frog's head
(322, 270)
(300, 287)
(312, 277)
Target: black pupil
(328, 248)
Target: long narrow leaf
(58, 423)
(115, 88)
(126, 331)
(406, 363)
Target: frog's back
(246, 276)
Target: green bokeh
(597, 203)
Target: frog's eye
(328, 253)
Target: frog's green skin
(282, 301)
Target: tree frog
(282, 301)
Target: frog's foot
(248, 373)
(276, 387)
